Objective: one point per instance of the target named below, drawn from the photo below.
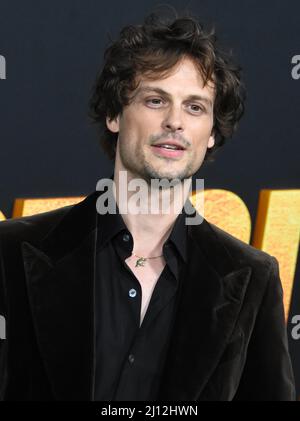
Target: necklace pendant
(140, 262)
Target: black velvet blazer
(229, 340)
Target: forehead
(182, 80)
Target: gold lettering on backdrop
(226, 210)
(27, 207)
(276, 231)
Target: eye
(151, 101)
(198, 108)
(156, 102)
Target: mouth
(169, 150)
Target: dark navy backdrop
(53, 50)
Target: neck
(148, 224)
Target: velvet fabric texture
(229, 339)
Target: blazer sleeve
(268, 374)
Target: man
(141, 306)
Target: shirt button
(132, 293)
(126, 237)
(131, 358)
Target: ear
(113, 124)
(211, 141)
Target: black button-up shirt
(130, 357)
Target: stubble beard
(140, 167)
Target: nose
(173, 120)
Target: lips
(170, 145)
(163, 151)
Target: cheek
(201, 151)
(136, 128)
(201, 135)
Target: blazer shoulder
(242, 253)
(33, 227)
(265, 267)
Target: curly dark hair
(153, 49)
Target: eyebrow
(160, 91)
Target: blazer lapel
(212, 292)
(60, 282)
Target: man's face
(163, 111)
